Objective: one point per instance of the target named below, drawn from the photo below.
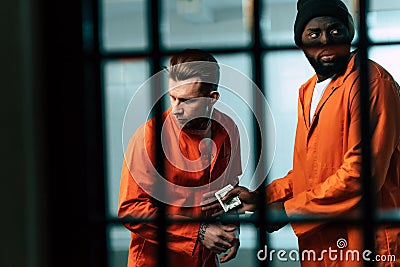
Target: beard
(329, 69)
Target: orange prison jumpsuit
(139, 185)
(325, 179)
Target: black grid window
(149, 33)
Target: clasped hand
(220, 238)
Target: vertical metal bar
(154, 14)
(367, 183)
(94, 133)
(259, 108)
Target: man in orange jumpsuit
(201, 153)
(325, 181)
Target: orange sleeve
(280, 189)
(136, 203)
(236, 166)
(341, 192)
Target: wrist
(202, 231)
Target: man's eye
(335, 32)
(188, 101)
(313, 35)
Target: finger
(231, 194)
(230, 237)
(209, 206)
(208, 198)
(207, 202)
(218, 249)
(228, 227)
(209, 194)
(218, 213)
(230, 255)
(225, 243)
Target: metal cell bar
(96, 195)
(257, 57)
(393, 217)
(142, 54)
(367, 182)
(153, 10)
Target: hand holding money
(227, 204)
(247, 198)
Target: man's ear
(215, 96)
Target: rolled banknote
(229, 204)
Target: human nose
(325, 38)
(176, 108)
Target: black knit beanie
(309, 9)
